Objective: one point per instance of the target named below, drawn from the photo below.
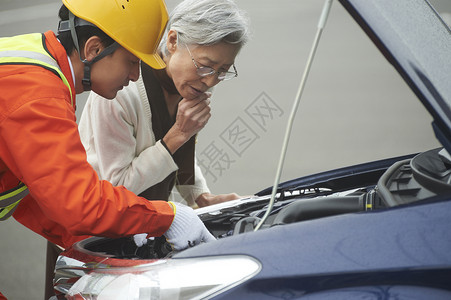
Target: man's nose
(134, 73)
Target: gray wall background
(354, 108)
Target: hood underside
(417, 42)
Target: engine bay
(421, 177)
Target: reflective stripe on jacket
(40, 146)
(10, 199)
(30, 49)
(25, 49)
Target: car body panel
(403, 238)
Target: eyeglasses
(207, 71)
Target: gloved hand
(187, 229)
(140, 239)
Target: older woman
(145, 138)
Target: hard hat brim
(153, 60)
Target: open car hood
(417, 42)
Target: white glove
(187, 229)
(140, 239)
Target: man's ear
(171, 42)
(92, 48)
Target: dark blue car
(379, 230)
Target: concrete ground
(355, 108)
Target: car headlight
(190, 278)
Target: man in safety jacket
(98, 47)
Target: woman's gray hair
(207, 22)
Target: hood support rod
(321, 25)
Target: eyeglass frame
(212, 71)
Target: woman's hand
(192, 116)
(207, 199)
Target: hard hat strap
(87, 68)
(73, 32)
(69, 25)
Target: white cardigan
(120, 144)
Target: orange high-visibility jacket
(40, 146)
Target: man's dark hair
(83, 34)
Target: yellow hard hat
(137, 25)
